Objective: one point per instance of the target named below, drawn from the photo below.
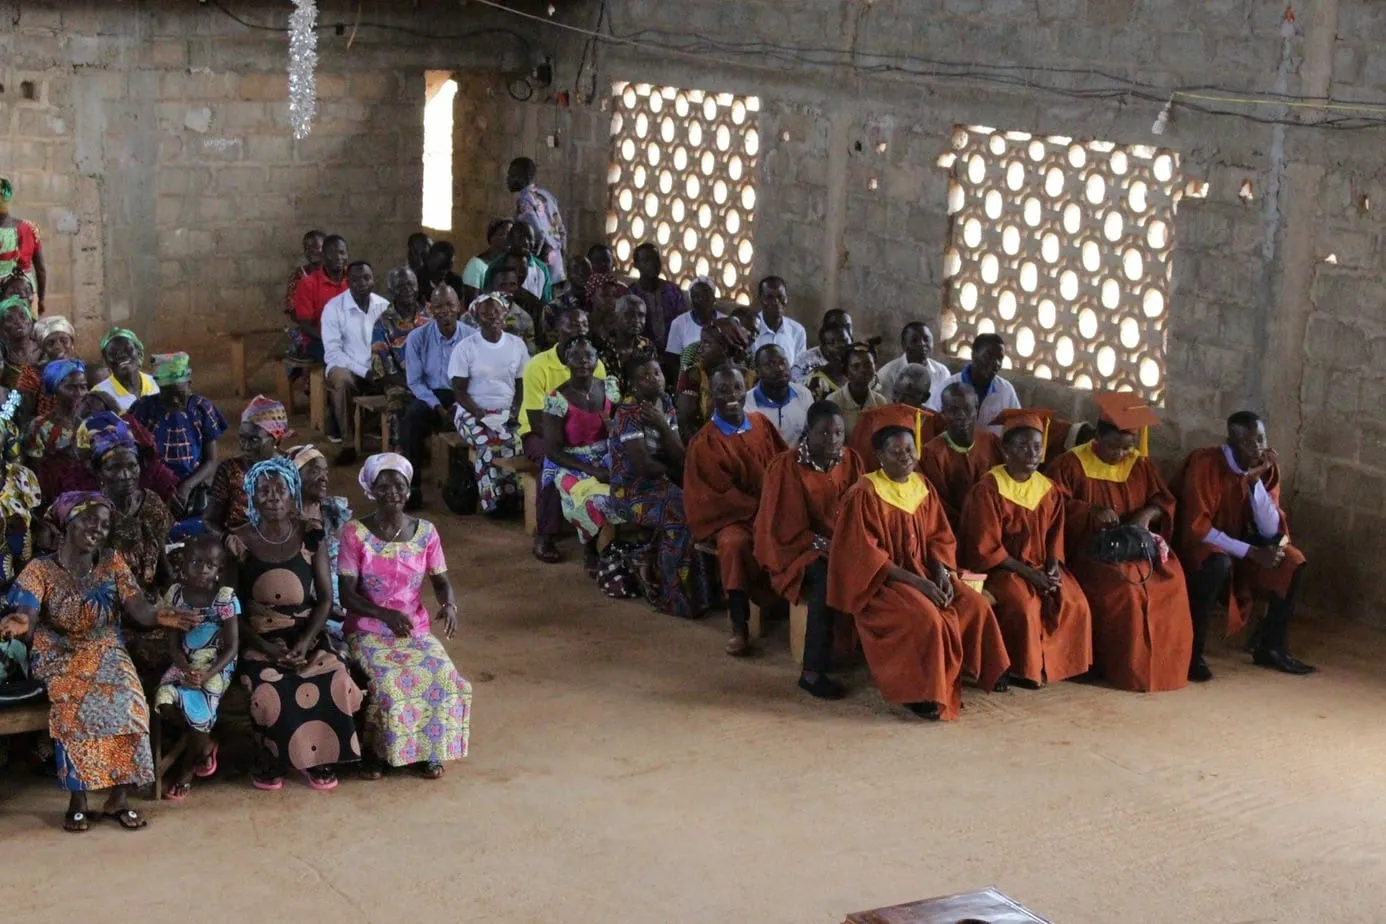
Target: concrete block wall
(1273, 307)
(156, 154)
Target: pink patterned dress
(419, 707)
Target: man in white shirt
(1234, 532)
(917, 341)
(347, 323)
(982, 375)
(687, 329)
(784, 405)
(775, 327)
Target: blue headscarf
(56, 371)
(277, 467)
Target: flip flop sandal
(208, 766)
(127, 818)
(318, 784)
(172, 794)
(273, 784)
(76, 823)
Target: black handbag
(1117, 545)
(460, 492)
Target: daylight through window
(683, 166)
(1065, 247)
(437, 150)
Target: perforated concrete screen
(1064, 247)
(683, 167)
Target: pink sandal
(210, 765)
(271, 785)
(319, 785)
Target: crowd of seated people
(926, 521)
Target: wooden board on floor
(985, 906)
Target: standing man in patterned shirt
(538, 208)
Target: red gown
(1142, 634)
(953, 471)
(1049, 638)
(798, 503)
(1212, 496)
(722, 478)
(916, 651)
(924, 422)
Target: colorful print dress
(201, 646)
(419, 707)
(99, 720)
(586, 501)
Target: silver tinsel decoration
(303, 65)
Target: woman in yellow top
(124, 354)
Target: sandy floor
(622, 768)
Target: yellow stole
(1098, 470)
(1027, 494)
(906, 497)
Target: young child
(204, 658)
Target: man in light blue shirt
(427, 351)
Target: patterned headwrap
(172, 368)
(73, 504)
(384, 462)
(269, 415)
(115, 333)
(56, 371)
(101, 433)
(597, 280)
(15, 301)
(302, 455)
(6, 189)
(53, 324)
(276, 467)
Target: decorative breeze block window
(683, 167)
(1065, 247)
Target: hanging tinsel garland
(303, 65)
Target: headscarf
(53, 324)
(15, 301)
(276, 467)
(56, 371)
(597, 280)
(73, 504)
(269, 415)
(172, 368)
(384, 462)
(101, 433)
(6, 189)
(302, 455)
(115, 333)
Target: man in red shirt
(317, 289)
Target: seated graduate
(893, 567)
(794, 530)
(1231, 528)
(1141, 633)
(958, 458)
(1013, 529)
(724, 470)
(910, 396)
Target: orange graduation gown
(1048, 638)
(1142, 634)
(798, 503)
(917, 652)
(953, 472)
(924, 422)
(1212, 496)
(722, 478)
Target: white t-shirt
(490, 368)
(684, 331)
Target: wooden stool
(440, 449)
(239, 385)
(372, 404)
(317, 389)
(798, 628)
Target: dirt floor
(622, 768)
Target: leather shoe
(824, 687)
(1282, 661)
(738, 646)
(925, 710)
(1199, 671)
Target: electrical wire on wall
(1108, 86)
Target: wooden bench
(757, 617)
(18, 720)
(371, 404)
(529, 484)
(240, 386)
(317, 389)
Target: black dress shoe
(925, 710)
(824, 687)
(1024, 682)
(1003, 685)
(1282, 661)
(1199, 672)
